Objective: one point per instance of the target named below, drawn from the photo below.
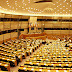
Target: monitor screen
(32, 28)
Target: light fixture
(6, 1)
(63, 10)
(66, 8)
(60, 8)
(15, 1)
(16, 8)
(0, 7)
(63, 6)
(70, 5)
(22, 7)
(67, 3)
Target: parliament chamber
(36, 36)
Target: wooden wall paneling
(48, 31)
(64, 31)
(14, 34)
(14, 25)
(70, 24)
(25, 31)
(6, 37)
(48, 24)
(7, 25)
(1, 26)
(65, 25)
(1, 37)
(24, 24)
(56, 25)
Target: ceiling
(30, 8)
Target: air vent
(42, 1)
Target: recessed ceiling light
(3, 8)
(71, 1)
(8, 5)
(53, 4)
(69, 10)
(6, 1)
(0, 7)
(57, 6)
(60, 4)
(15, 1)
(66, 8)
(19, 6)
(16, 8)
(13, 8)
(63, 6)
(22, 7)
(36, 9)
(63, 10)
(67, 3)
(26, 8)
(60, 8)
(70, 5)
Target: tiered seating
(4, 66)
(13, 51)
(54, 57)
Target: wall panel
(14, 34)
(7, 25)
(24, 24)
(48, 31)
(14, 25)
(65, 25)
(1, 26)
(1, 37)
(25, 31)
(6, 36)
